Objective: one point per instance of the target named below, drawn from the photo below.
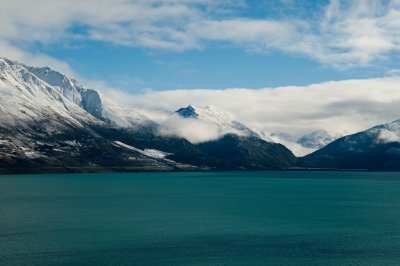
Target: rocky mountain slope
(377, 148)
(49, 120)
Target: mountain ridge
(50, 121)
(377, 148)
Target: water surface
(226, 218)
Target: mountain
(41, 88)
(90, 100)
(316, 140)
(303, 145)
(234, 152)
(51, 123)
(234, 146)
(48, 120)
(377, 148)
(26, 98)
(223, 122)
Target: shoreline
(99, 169)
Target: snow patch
(156, 153)
(32, 154)
(152, 153)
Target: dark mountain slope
(375, 149)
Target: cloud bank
(339, 107)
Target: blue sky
(215, 67)
(162, 45)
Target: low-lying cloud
(194, 130)
(387, 136)
(340, 107)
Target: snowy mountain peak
(210, 113)
(55, 78)
(55, 84)
(25, 98)
(217, 118)
(5, 61)
(189, 111)
(8, 66)
(47, 89)
(86, 98)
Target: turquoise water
(243, 218)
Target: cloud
(193, 130)
(342, 34)
(292, 145)
(355, 33)
(393, 73)
(340, 107)
(387, 136)
(256, 34)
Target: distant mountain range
(223, 123)
(377, 148)
(51, 123)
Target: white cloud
(387, 136)
(393, 73)
(296, 148)
(260, 34)
(355, 33)
(193, 130)
(344, 34)
(341, 107)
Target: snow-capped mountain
(88, 99)
(317, 139)
(48, 119)
(218, 123)
(44, 88)
(377, 148)
(91, 100)
(26, 98)
(215, 119)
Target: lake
(205, 218)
